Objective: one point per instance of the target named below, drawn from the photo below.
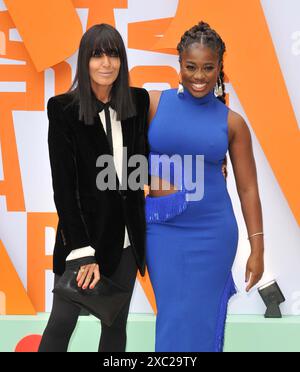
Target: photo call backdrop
(38, 52)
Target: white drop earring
(180, 91)
(218, 91)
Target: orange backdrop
(51, 31)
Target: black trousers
(64, 315)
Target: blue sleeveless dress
(192, 235)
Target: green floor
(243, 333)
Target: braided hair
(203, 34)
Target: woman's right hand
(85, 275)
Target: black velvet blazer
(88, 216)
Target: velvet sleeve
(64, 178)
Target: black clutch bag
(104, 301)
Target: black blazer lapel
(101, 135)
(128, 132)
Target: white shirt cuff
(81, 252)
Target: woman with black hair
(105, 228)
(192, 240)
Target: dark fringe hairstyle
(101, 38)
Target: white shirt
(117, 137)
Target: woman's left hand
(224, 171)
(254, 269)
(88, 275)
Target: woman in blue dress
(192, 234)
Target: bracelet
(259, 233)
